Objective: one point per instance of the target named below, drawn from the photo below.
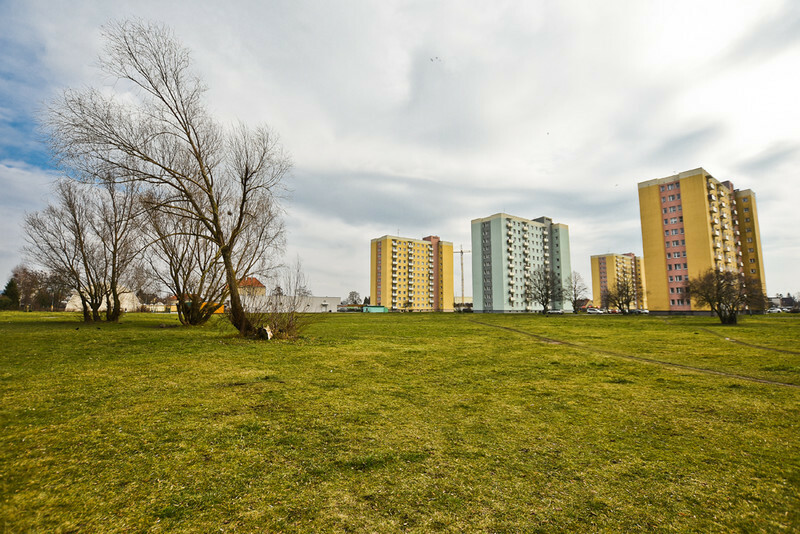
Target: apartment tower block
(506, 252)
(692, 222)
(411, 274)
(609, 270)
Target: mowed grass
(384, 423)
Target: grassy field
(384, 423)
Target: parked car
(556, 312)
(594, 311)
(774, 310)
(640, 312)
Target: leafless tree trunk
(188, 266)
(227, 180)
(117, 218)
(726, 293)
(575, 290)
(543, 288)
(60, 239)
(623, 293)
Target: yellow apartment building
(692, 222)
(607, 269)
(411, 274)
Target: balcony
(714, 209)
(717, 244)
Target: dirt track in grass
(550, 340)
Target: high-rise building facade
(411, 274)
(692, 222)
(507, 251)
(609, 270)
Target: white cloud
(424, 115)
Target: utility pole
(462, 252)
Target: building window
(666, 232)
(747, 210)
(669, 254)
(664, 210)
(671, 279)
(752, 271)
(752, 260)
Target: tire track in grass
(642, 359)
(762, 347)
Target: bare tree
(352, 298)
(622, 293)
(544, 288)
(575, 290)
(157, 131)
(726, 293)
(60, 238)
(188, 266)
(280, 312)
(116, 215)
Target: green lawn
(418, 422)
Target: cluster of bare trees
(545, 288)
(624, 293)
(86, 238)
(148, 169)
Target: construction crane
(461, 252)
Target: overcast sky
(417, 117)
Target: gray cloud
(772, 34)
(554, 109)
(770, 159)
